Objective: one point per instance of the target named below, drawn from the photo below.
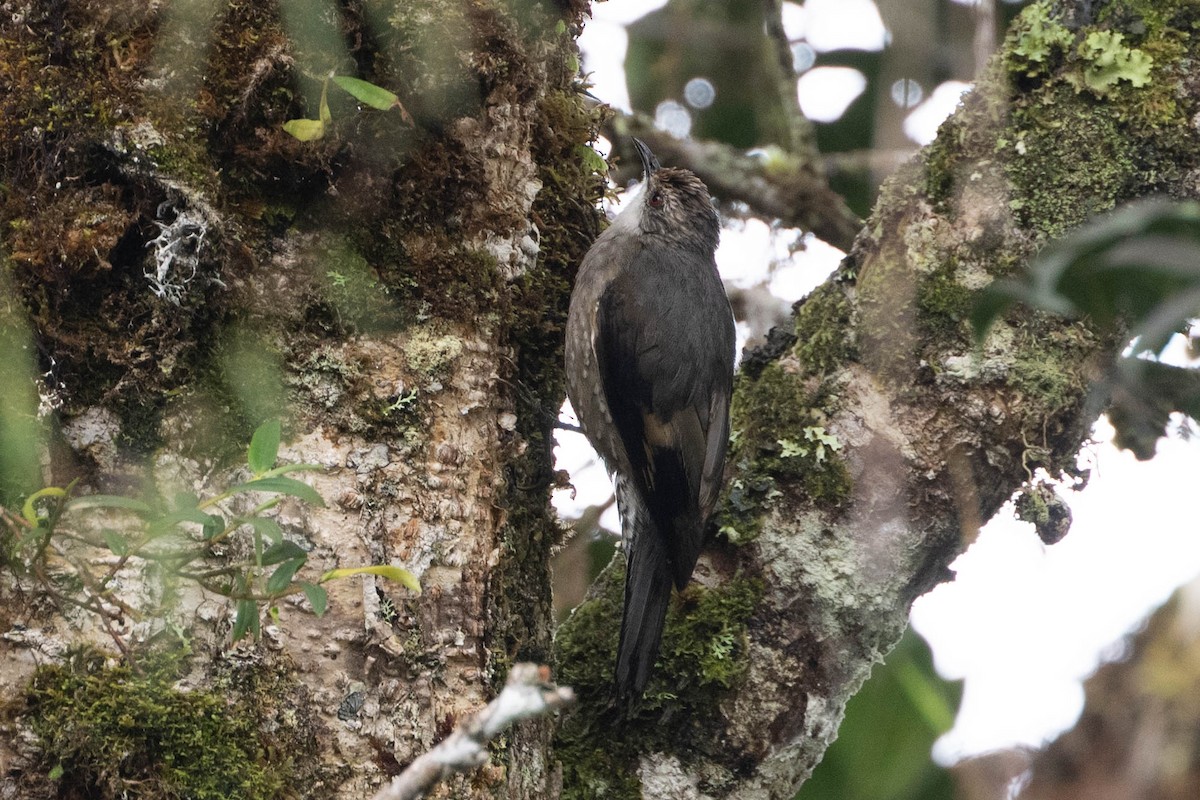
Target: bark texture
(395, 290)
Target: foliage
(1135, 272)
(306, 130)
(883, 747)
(181, 537)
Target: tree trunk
(394, 290)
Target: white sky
(1022, 623)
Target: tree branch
(527, 693)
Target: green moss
(703, 654)
(704, 645)
(127, 734)
(1052, 372)
(943, 303)
(779, 442)
(1070, 158)
(1076, 118)
(822, 322)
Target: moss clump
(779, 441)
(1092, 114)
(1071, 159)
(1053, 374)
(704, 645)
(944, 303)
(117, 733)
(821, 325)
(703, 654)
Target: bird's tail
(648, 583)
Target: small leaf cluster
(182, 537)
(307, 130)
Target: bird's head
(673, 206)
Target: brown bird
(649, 364)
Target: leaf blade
(396, 574)
(264, 446)
(367, 93)
(281, 485)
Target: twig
(528, 693)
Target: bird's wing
(665, 372)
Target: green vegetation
(178, 536)
(119, 731)
(703, 653)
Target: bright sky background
(1023, 623)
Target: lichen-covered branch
(872, 439)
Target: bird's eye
(656, 200)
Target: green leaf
(56, 772)
(115, 542)
(1131, 265)
(281, 578)
(246, 620)
(267, 528)
(284, 468)
(324, 114)
(288, 486)
(109, 501)
(318, 598)
(883, 746)
(282, 551)
(214, 525)
(306, 130)
(160, 525)
(264, 447)
(368, 93)
(29, 510)
(401, 576)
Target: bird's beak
(649, 161)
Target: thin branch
(528, 693)
(803, 137)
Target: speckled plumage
(649, 362)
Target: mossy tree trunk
(395, 291)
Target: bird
(649, 360)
